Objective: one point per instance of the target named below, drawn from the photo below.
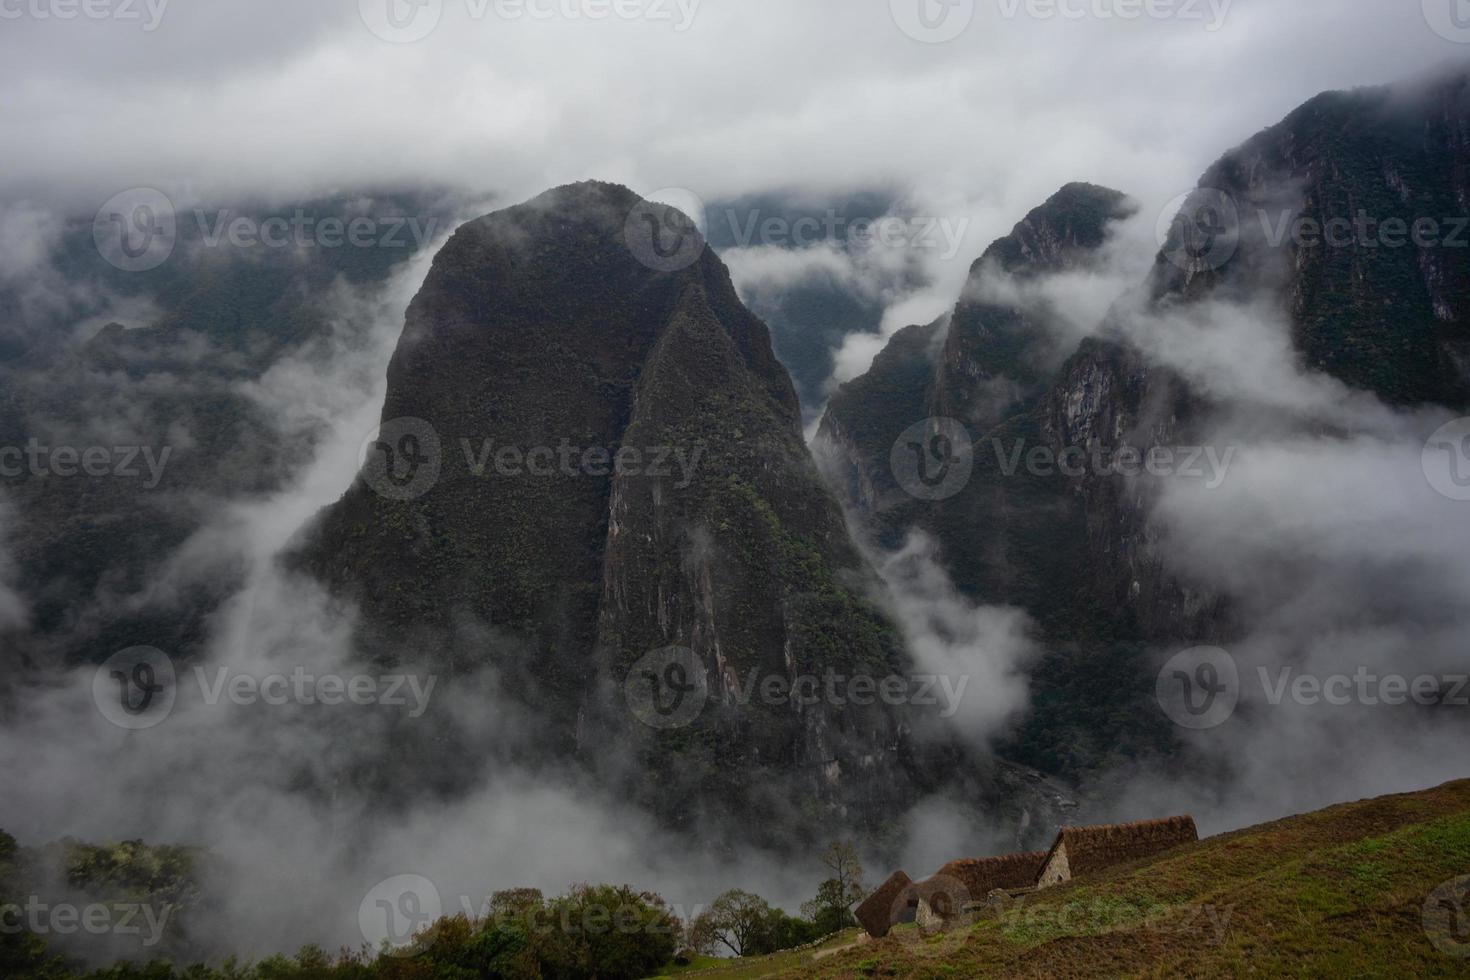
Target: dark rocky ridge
(983, 364)
(1382, 314)
(1378, 310)
(998, 358)
(1006, 538)
(1082, 554)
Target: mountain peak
(1069, 224)
(620, 473)
(583, 194)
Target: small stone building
(937, 901)
(1085, 850)
(955, 887)
(981, 876)
(888, 906)
(943, 896)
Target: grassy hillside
(776, 964)
(1340, 892)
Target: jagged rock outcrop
(999, 355)
(986, 367)
(988, 361)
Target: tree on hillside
(735, 920)
(747, 925)
(613, 933)
(831, 910)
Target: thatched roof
(1092, 849)
(947, 891)
(981, 876)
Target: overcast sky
(208, 100)
(721, 96)
(974, 110)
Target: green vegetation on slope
(1340, 892)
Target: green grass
(698, 965)
(753, 967)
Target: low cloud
(1338, 558)
(770, 268)
(983, 650)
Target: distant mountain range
(100, 354)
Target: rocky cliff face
(1009, 533)
(1318, 216)
(1350, 217)
(987, 362)
(999, 356)
(1353, 211)
(871, 412)
(665, 505)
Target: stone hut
(889, 905)
(1085, 850)
(937, 901)
(958, 885)
(981, 876)
(943, 896)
